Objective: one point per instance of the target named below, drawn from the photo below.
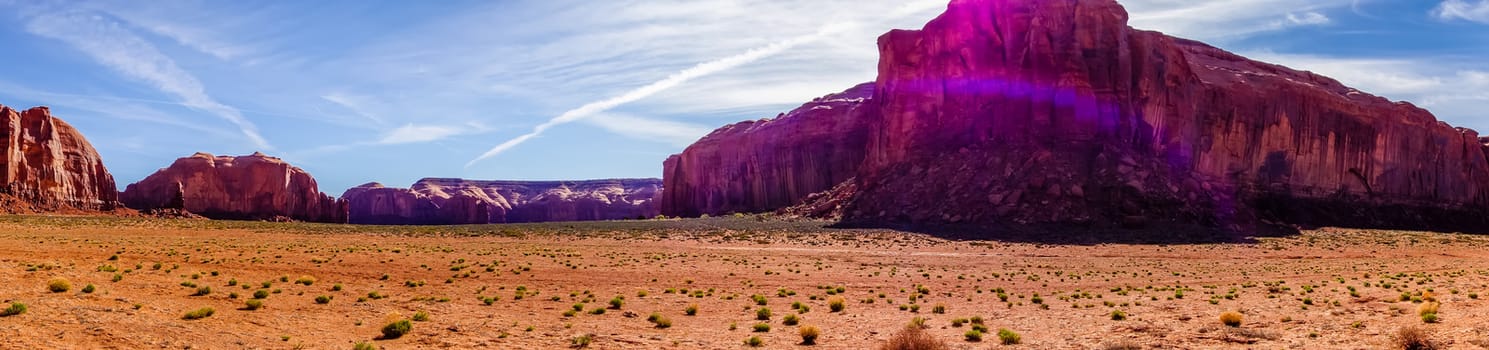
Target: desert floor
(509, 286)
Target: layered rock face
(762, 165)
(436, 201)
(1056, 112)
(49, 166)
(252, 187)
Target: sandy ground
(1294, 292)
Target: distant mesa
(1002, 112)
(252, 187)
(439, 201)
(50, 167)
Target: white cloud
(1468, 10)
(123, 51)
(646, 129)
(1224, 20)
(355, 104)
(411, 133)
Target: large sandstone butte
(435, 201)
(49, 166)
(252, 187)
(1024, 112)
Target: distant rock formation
(436, 201)
(49, 166)
(763, 165)
(1017, 112)
(252, 187)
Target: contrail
(700, 70)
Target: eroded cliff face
(253, 187)
(766, 164)
(1055, 111)
(49, 166)
(459, 201)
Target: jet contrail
(700, 70)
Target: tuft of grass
(14, 309)
(661, 321)
(396, 327)
(761, 327)
(754, 342)
(791, 320)
(364, 345)
(88, 289)
(253, 304)
(260, 294)
(323, 299)
(973, 335)
(938, 309)
(203, 290)
(691, 310)
(199, 314)
(59, 285)
(617, 302)
(762, 314)
(421, 316)
(1428, 311)
(836, 304)
(1231, 318)
(1118, 315)
(913, 338)
(1008, 337)
(1415, 338)
(582, 341)
(809, 334)
(305, 280)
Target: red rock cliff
(763, 165)
(1055, 111)
(255, 187)
(49, 166)
(460, 201)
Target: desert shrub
(305, 280)
(662, 322)
(421, 316)
(938, 309)
(260, 294)
(1008, 337)
(1118, 315)
(59, 285)
(754, 342)
(691, 310)
(364, 345)
(253, 304)
(836, 304)
(199, 314)
(913, 338)
(617, 302)
(1230, 318)
(1415, 338)
(322, 299)
(973, 335)
(763, 314)
(809, 334)
(14, 309)
(397, 327)
(597, 311)
(761, 327)
(790, 320)
(582, 341)
(88, 289)
(759, 299)
(203, 290)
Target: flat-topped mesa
(49, 166)
(443, 201)
(1025, 112)
(252, 187)
(763, 165)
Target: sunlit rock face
(767, 164)
(1056, 112)
(49, 166)
(436, 201)
(252, 187)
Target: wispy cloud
(697, 71)
(411, 133)
(123, 51)
(1223, 20)
(355, 104)
(1468, 10)
(647, 129)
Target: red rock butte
(437, 201)
(252, 187)
(50, 167)
(1023, 112)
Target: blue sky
(359, 91)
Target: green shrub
(617, 302)
(1118, 315)
(1008, 337)
(88, 289)
(973, 335)
(199, 314)
(754, 342)
(305, 280)
(397, 328)
(836, 304)
(421, 316)
(203, 290)
(809, 334)
(260, 294)
(59, 285)
(364, 345)
(14, 309)
(763, 314)
(790, 320)
(323, 299)
(691, 310)
(762, 327)
(253, 304)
